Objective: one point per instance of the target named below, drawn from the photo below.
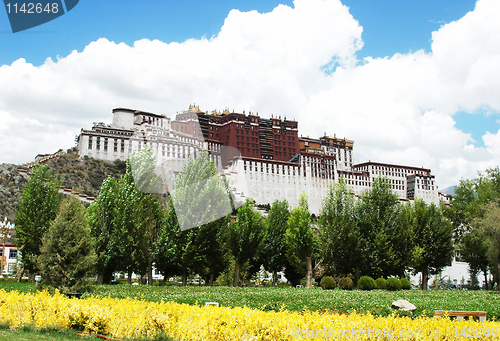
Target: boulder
(403, 305)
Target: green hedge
(345, 283)
(380, 283)
(366, 283)
(327, 282)
(393, 284)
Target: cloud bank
(296, 62)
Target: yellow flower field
(130, 318)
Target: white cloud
(398, 109)
(492, 143)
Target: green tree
(489, 225)
(274, 246)
(132, 220)
(469, 205)
(138, 216)
(474, 250)
(150, 224)
(67, 255)
(37, 208)
(202, 205)
(212, 249)
(148, 210)
(401, 238)
(340, 241)
(182, 252)
(167, 252)
(433, 240)
(300, 238)
(199, 194)
(128, 232)
(100, 217)
(378, 218)
(245, 236)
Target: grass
(21, 286)
(377, 302)
(29, 333)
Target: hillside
(11, 183)
(84, 175)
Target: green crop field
(377, 302)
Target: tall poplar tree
(340, 240)
(274, 246)
(167, 252)
(378, 218)
(100, 217)
(468, 207)
(245, 236)
(433, 240)
(212, 249)
(137, 218)
(300, 239)
(198, 216)
(489, 227)
(37, 208)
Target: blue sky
(385, 28)
(389, 26)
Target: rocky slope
(84, 175)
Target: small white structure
(8, 251)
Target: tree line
(475, 215)
(132, 230)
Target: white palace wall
(263, 180)
(267, 181)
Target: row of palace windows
(105, 147)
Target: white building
(133, 130)
(319, 163)
(457, 273)
(407, 182)
(8, 251)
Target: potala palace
(264, 159)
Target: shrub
(327, 282)
(344, 283)
(393, 284)
(366, 283)
(405, 284)
(380, 283)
